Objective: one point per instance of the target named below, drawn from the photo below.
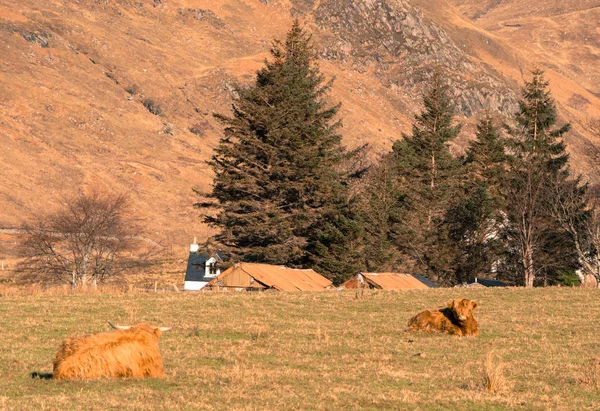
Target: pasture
(324, 350)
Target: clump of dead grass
(321, 334)
(590, 374)
(258, 331)
(492, 374)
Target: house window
(212, 269)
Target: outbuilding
(484, 282)
(257, 277)
(389, 281)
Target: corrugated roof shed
(485, 282)
(426, 281)
(394, 281)
(389, 281)
(243, 275)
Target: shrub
(568, 278)
(199, 128)
(132, 89)
(152, 106)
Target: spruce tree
(382, 209)
(430, 176)
(477, 220)
(537, 159)
(277, 168)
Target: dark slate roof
(488, 283)
(196, 267)
(426, 281)
(220, 255)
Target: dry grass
(313, 351)
(493, 374)
(63, 290)
(590, 374)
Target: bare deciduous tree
(86, 241)
(576, 208)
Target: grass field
(324, 350)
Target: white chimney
(194, 247)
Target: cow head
(462, 309)
(141, 327)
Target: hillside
(120, 94)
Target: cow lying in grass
(457, 319)
(126, 352)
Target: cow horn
(119, 327)
(164, 329)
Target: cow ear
(474, 305)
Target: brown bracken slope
(74, 77)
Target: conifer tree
(477, 220)
(430, 176)
(383, 208)
(277, 169)
(537, 159)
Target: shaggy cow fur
(123, 353)
(457, 319)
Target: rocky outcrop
(403, 46)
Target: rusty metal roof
(394, 281)
(279, 277)
(390, 281)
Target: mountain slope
(120, 94)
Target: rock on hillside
(402, 46)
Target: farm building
(389, 281)
(201, 268)
(256, 277)
(482, 282)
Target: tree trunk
(528, 264)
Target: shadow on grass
(41, 375)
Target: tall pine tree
(477, 220)
(537, 158)
(278, 186)
(430, 176)
(383, 207)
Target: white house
(201, 268)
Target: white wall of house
(194, 285)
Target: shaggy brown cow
(126, 352)
(457, 319)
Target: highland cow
(127, 352)
(457, 319)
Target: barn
(257, 277)
(389, 281)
